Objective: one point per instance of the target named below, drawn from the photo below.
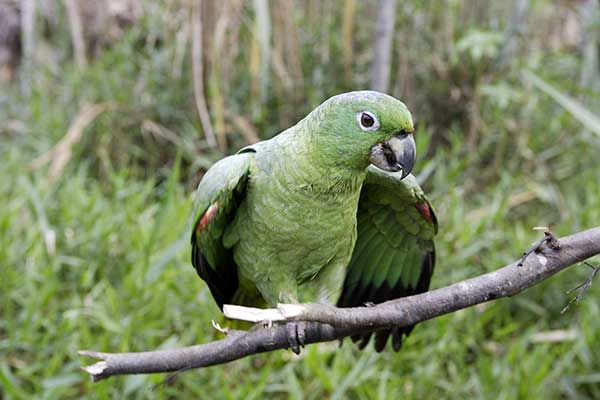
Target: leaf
(479, 44)
(133, 383)
(9, 384)
(64, 380)
(48, 234)
(157, 268)
(577, 110)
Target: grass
(99, 258)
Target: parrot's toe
(296, 335)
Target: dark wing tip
(396, 339)
(381, 338)
(384, 293)
(222, 284)
(364, 341)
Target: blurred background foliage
(111, 111)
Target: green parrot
(326, 211)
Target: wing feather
(394, 253)
(219, 194)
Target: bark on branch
(330, 323)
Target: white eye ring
(363, 119)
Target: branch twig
(582, 287)
(548, 238)
(330, 323)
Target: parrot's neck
(319, 173)
(338, 183)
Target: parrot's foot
(296, 335)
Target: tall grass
(97, 255)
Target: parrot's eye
(367, 121)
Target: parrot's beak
(396, 154)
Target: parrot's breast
(290, 228)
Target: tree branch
(329, 323)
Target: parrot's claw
(219, 327)
(296, 335)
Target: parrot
(326, 211)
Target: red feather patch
(425, 211)
(207, 217)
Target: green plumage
(303, 217)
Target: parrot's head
(367, 127)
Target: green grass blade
(575, 108)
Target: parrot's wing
(394, 253)
(219, 194)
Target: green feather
(393, 252)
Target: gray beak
(397, 154)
